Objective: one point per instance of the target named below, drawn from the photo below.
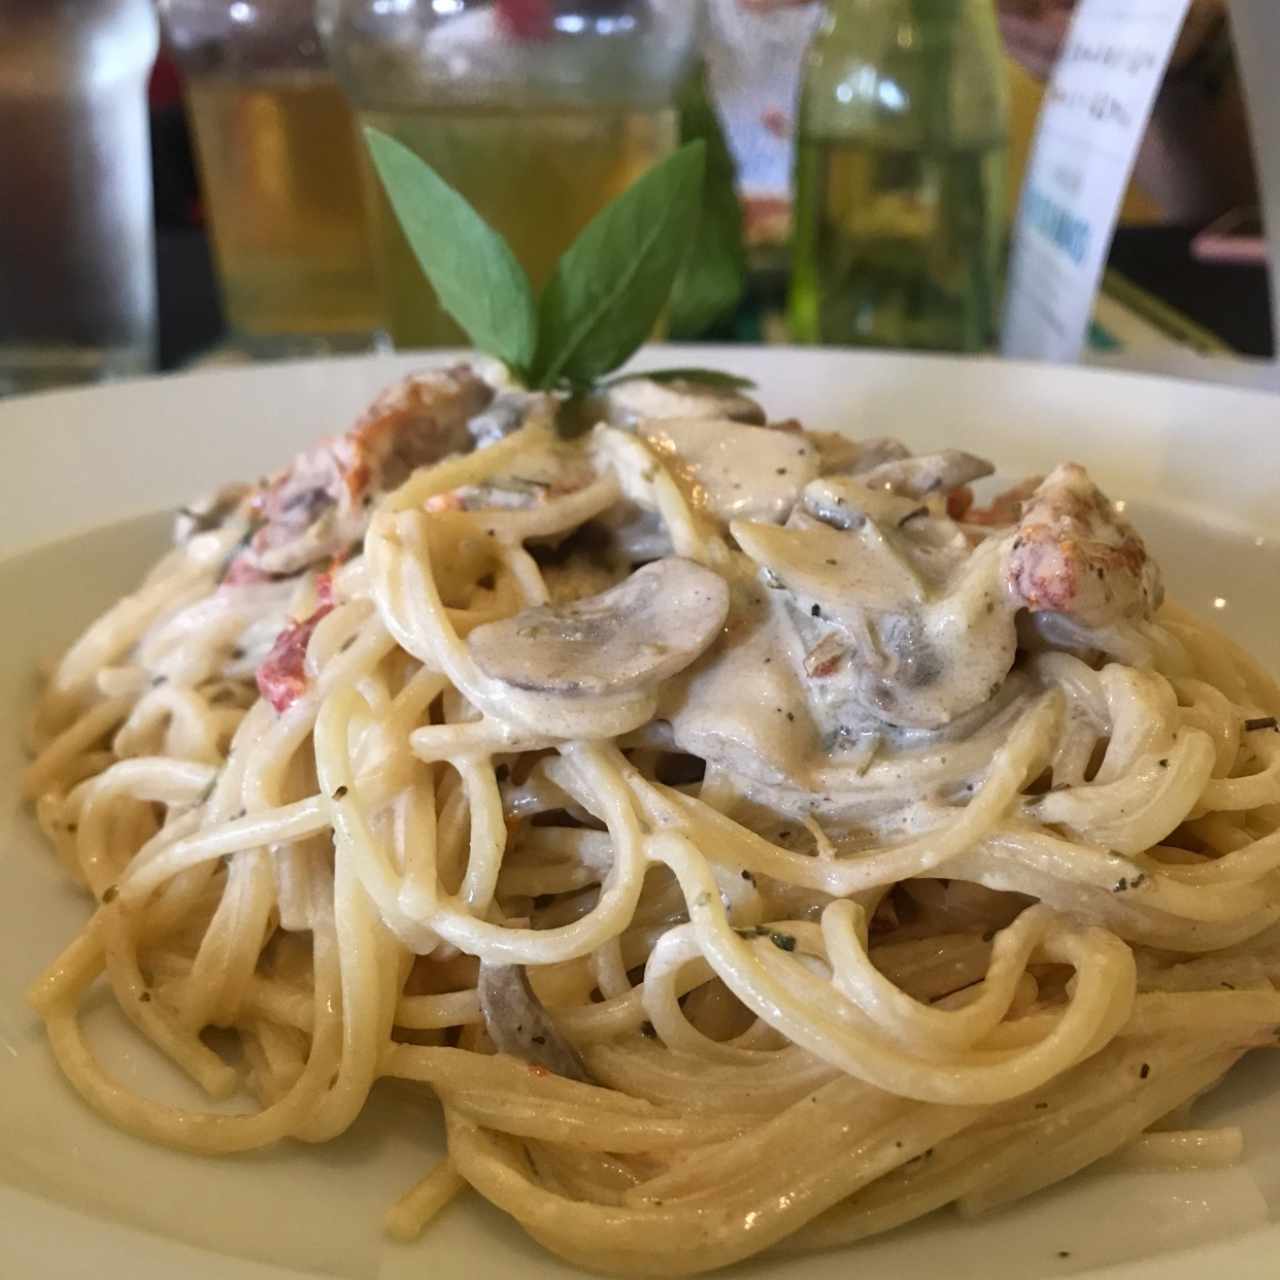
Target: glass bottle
(77, 250)
(538, 111)
(279, 166)
(900, 224)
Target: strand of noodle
(279, 1059)
(161, 781)
(1183, 1149)
(1212, 711)
(730, 841)
(634, 457)
(205, 1132)
(163, 1029)
(646, 1070)
(352, 827)
(89, 728)
(1101, 1003)
(919, 1026)
(431, 1013)
(1006, 1138)
(609, 971)
(1119, 1127)
(1143, 807)
(277, 1002)
(291, 822)
(408, 1217)
(682, 1239)
(528, 577)
(459, 470)
(488, 832)
(363, 978)
(587, 1127)
(611, 914)
(115, 632)
(228, 955)
(293, 867)
(1154, 890)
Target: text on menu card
(1095, 112)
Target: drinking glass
(539, 111)
(280, 175)
(77, 251)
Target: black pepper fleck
(340, 793)
(110, 893)
(1145, 1071)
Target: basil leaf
(611, 286)
(714, 276)
(472, 269)
(703, 377)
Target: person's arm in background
(1195, 161)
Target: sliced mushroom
(829, 570)
(734, 472)
(641, 399)
(928, 473)
(636, 634)
(839, 454)
(518, 1023)
(844, 503)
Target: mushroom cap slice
(638, 633)
(731, 471)
(856, 571)
(927, 473)
(519, 1024)
(642, 399)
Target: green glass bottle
(901, 166)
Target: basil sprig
(606, 295)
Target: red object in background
(526, 19)
(165, 89)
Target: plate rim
(74, 409)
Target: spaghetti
(749, 841)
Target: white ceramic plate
(83, 474)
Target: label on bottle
(1095, 113)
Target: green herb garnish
(609, 289)
(605, 297)
(470, 266)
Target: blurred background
(185, 182)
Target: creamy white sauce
(742, 707)
(735, 472)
